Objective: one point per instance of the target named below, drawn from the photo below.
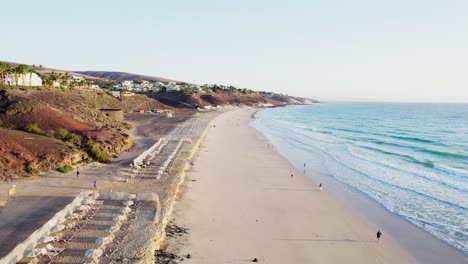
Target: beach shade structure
(126, 210)
(46, 239)
(93, 253)
(73, 216)
(128, 203)
(88, 201)
(37, 252)
(113, 229)
(58, 227)
(120, 218)
(82, 207)
(103, 240)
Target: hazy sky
(398, 50)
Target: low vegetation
(96, 154)
(65, 169)
(69, 137)
(34, 129)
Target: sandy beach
(240, 202)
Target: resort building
(26, 79)
(172, 87)
(77, 78)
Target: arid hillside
(61, 120)
(187, 100)
(120, 76)
(46, 128)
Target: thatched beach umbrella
(73, 216)
(37, 252)
(46, 239)
(93, 253)
(120, 218)
(82, 207)
(126, 210)
(103, 240)
(113, 229)
(128, 203)
(88, 201)
(58, 227)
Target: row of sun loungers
(110, 249)
(48, 253)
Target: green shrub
(74, 139)
(69, 137)
(96, 153)
(62, 133)
(65, 169)
(32, 170)
(35, 129)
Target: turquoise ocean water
(410, 158)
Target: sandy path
(244, 204)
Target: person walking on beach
(77, 174)
(320, 187)
(95, 184)
(292, 174)
(379, 234)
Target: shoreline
(423, 246)
(284, 229)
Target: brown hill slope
(120, 76)
(72, 116)
(22, 152)
(225, 97)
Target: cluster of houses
(36, 80)
(147, 86)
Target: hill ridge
(121, 76)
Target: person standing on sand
(95, 184)
(77, 174)
(320, 187)
(379, 234)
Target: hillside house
(172, 87)
(77, 78)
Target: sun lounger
(70, 226)
(50, 254)
(125, 226)
(44, 261)
(105, 261)
(79, 227)
(110, 250)
(51, 248)
(67, 238)
(89, 215)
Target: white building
(124, 86)
(77, 78)
(128, 84)
(26, 79)
(172, 87)
(158, 84)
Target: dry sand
(241, 203)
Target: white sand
(245, 205)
